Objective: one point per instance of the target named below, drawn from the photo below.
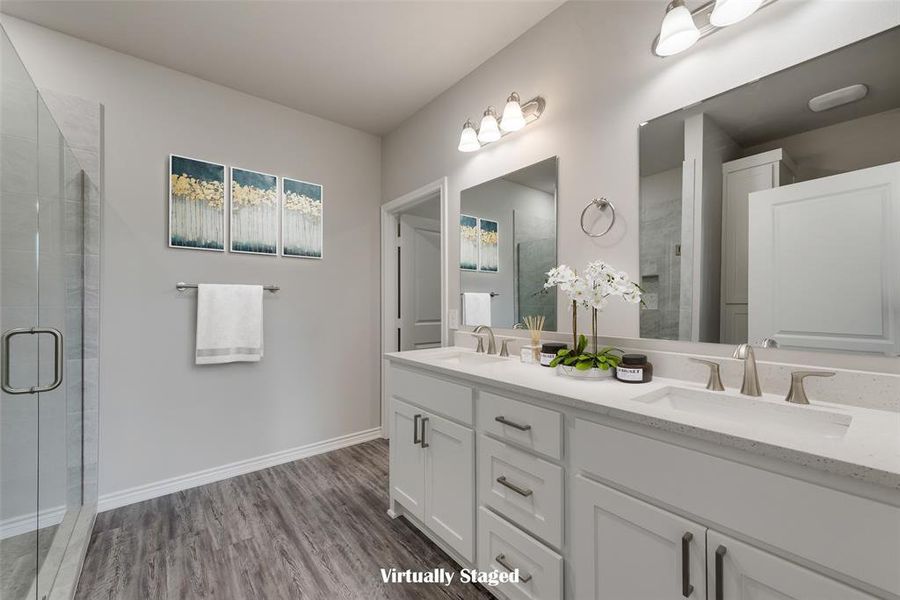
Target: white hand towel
(476, 308)
(229, 323)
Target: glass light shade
(513, 119)
(489, 130)
(468, 139)
(729, 12)
(678, 31)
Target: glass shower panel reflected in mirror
(507, 245)
(766, 217)
(41, 314)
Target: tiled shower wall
(660, 238)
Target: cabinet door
(450, 483)
(626, 549)
(737, 571)
(407, 458)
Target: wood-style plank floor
(314, 528)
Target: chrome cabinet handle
(501, 560)
(505, 421)
(686, 587)
(57, 358)
(422, 441)
(416, 439)
(720, 568)
(521, 491)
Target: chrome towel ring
(602, 204)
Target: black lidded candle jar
(634, 368)
(549, 351)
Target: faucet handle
(797, 394)
(715, 380)
(480, 347)
(504, 349)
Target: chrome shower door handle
(57, 359)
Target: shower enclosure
(46, 506)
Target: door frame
(390, 213)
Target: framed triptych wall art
(267, 217)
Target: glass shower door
(18, 311)
(41, 316)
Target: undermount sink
(470, 358)
(749, 412)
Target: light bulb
(513, 119)
(678, 31)
(729, 12)
(468, 139)
(489, 130)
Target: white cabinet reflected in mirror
(507, 237)
(764, 220)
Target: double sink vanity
(600, 489)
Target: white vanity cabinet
(432, 470)
(588, 505)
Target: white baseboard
(25, 523)
(198, 478)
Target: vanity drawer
(522, 487)
(849, 534)
(499, 542)
(530, 426)
(438, 395)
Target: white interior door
(824, 262)
(420, 282)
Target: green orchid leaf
(555, 361)
(584, 365)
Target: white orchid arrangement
(595, 286)
(591, 289)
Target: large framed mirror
(507, 241)
(771, 213)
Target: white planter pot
(594, 373)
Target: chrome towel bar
(492, 294)
(181, 286)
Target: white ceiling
(368, 64)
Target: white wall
(592, 62)
(162, 416)
(496, 201)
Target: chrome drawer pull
(522, 492)
(505, 421)
(501, 560)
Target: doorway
(414, 242)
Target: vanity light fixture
(729, 12)
(516, 115)
(490, 129)
(468, 139)
(513, 119)
(681, 28)
(678, 31)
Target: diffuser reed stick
(535, 325)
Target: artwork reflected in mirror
(769, 214)
(507, 245)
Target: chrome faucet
(750, 386)
(492, 343)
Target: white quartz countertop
(868, 449)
